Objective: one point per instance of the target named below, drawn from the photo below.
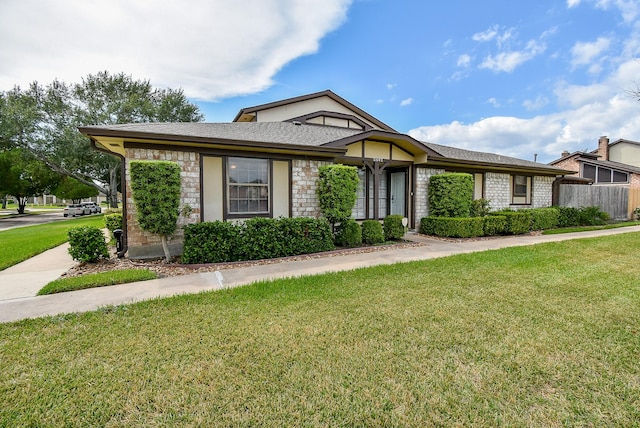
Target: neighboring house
(265, 163)
(616, 163)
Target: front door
(399, 193)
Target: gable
(627, 152)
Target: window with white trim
(520, 190)
(247, 186)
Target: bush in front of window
(372, 232)
(479, 208)
(452, 227)
(86, 244)
(348, 234)
(212, 242)
(257, 238)
(393, 228)
(517, 222)
(544, 218)
(450, 195)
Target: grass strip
(93, 280)
(588, 228)
(544, 335)
(21, 243)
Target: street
(30, 219)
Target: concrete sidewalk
(19, 284)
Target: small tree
(450, 195)
(70, 188)
(337, 187)
(155, 188)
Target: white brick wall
(421, 196)
(497, 190)
(304, 177)
(542, 192)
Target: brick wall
(634, 181)
(497, 190)
(570, 164)
(189, 195)
(542, 192)
(304, 177)
(421, 197)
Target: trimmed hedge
(349, 234)
(393, 228)
(517, 222)
(113, 222)
(583, 216)
(494, 225)
(372, 232)
(86, 244)
(212, 242)
(544, 218)
(258, 238)
(451, 227)
(450, 195)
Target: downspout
(125, 245)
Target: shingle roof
(259, 132)
(483, 157)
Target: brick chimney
(565, 153)
(603, 148)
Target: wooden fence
(618, 201)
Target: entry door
(398, 193)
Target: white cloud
(390, 86)
(464, 60)
(406, 102)
(585, 52)
(210, 48)
(590, 111)
(509, 61)
(494, 102)
(629, 9)
(536, 104)
(572, 3)
(487, 35)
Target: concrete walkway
(19, 284)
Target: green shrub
(544, 218)
(258, 238)
(479, 208)
(212, 242)
(450, 195)
(592, 216)
(494, 225)
(568, 216)
(372, 232)
(348, 234)
(466, 227)
(583, 216)
(87, 244)
(337, 191)
(113, 222)
(393, 228)
(517, 222)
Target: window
(601, 174)
(520, 190)
(365, 196)
(248, 186)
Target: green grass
(101, 279)
(587, 228)
(546, 335)
(19, 244)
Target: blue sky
(512, 77)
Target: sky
(520, 78)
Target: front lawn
(101, 279)
(545, 335)
(21, 243)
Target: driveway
(37, 217)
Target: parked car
(73, 210)
(91, 208)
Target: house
(265, 163)
(616, 163)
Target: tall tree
(44, 120)
(24, 176)
(70, 188)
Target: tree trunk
(4, 202)
(22, 203)
(165, 247)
